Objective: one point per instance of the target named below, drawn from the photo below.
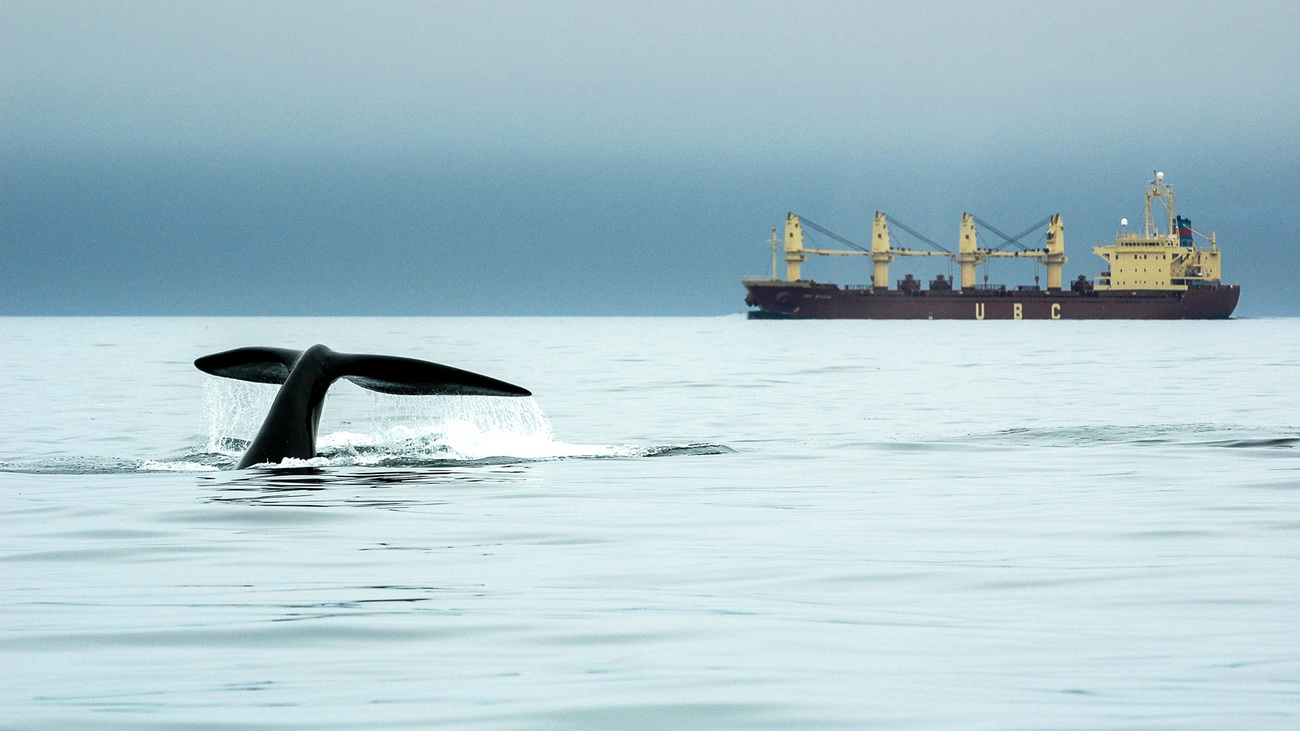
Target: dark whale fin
(260, 365)
(289, 429)
(410, 377)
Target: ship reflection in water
(1158, 273)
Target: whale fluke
(289, 429)
(260, 365)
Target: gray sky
(604, 158)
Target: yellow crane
(969, 254)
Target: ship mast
(1158, 189)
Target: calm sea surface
(697, 523)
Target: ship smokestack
(1184, 231)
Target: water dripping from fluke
(418, 432)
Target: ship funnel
(1184, 230)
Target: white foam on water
(400, 427)
(150, 465)
(459, 428)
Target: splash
(233, 410)
(462, 428)
(400, 430)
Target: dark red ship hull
(813, 301)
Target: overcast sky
(609, 158)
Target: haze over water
(552, 158)
(698, 522)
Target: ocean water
(695, 523)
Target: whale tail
(382, 373)
(304, 376)
(259, 365)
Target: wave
(199, 461)
(454, 443)
(1195, 434)
(402, 432)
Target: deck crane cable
(1046, 220)
(1012, 239)
(904, 226)
(809, 224)
(990, 227)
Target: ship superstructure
(1159, 273)
(1156, 258)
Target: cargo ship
(1160, 272)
